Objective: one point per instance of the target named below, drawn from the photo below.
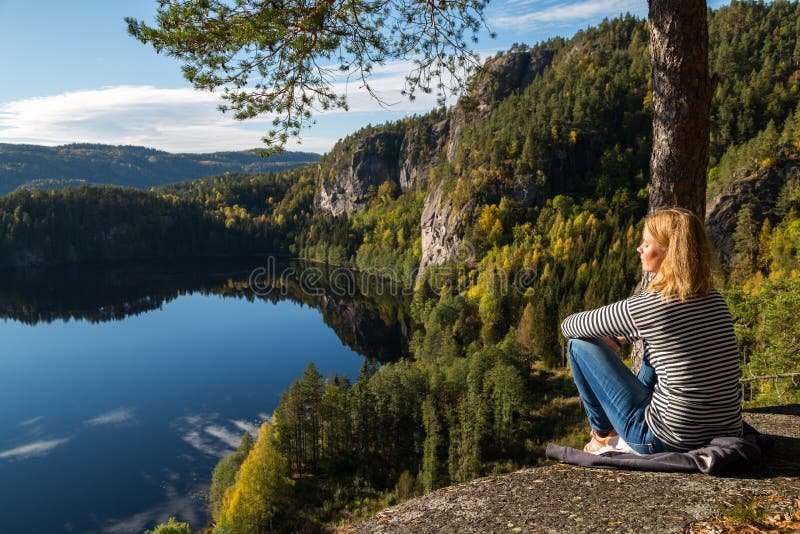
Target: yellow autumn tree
(263, 488)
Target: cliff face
(343, 183)
(440, 225)
(759, 190)
(404, 155)
(498, 78)
(420, 151)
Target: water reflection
(367, 317)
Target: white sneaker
(614, 444)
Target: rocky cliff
(404, 153)
(498, 78)
(344, 181)
(757, 189)
(440, 225)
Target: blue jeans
(612, 397)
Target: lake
(121, 386)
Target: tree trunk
(682, 91)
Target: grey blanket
(719, 456)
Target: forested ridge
(56, 167)
(548, 185)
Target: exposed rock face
(508, 72)
(343, 185)
(402, 157)
(526, 192)
(420, 152)
(406, 156)
(440, 225)
(759, 190)
(497, 79)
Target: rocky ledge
(564, 498)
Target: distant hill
(47, 167)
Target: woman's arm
(608, 321)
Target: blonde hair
(686, 269)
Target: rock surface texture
(440, 226)
(564, 498)
(759, 190)
(342, 187)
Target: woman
(687, 391)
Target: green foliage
(769, 336)
(258, 499)
(171, 527)
(76, 164)
(224, 475)
(537, 331)
(431, 473)
(407, 487)
(753, 48)
(741, 512)
(230, 215)
(275, 57)
(764, 295)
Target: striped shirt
(692, 348)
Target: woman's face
(651, 253)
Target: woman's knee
(576, 347)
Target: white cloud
(209, 435)
(223, 434)
(32, 421)
(265, 417)
(36, 448)
(119, 415)
(246, 427)
(185, 119)
(204, 435)
(194, 439)
(531, 14)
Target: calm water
(120, 389)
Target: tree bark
(682, 91)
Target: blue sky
(70, 73)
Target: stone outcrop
(759, 190)
(563, 498)
(401, 156)
(344, 181)
(440, 225)
(499, 77)
(405, 155)
(421, 151)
